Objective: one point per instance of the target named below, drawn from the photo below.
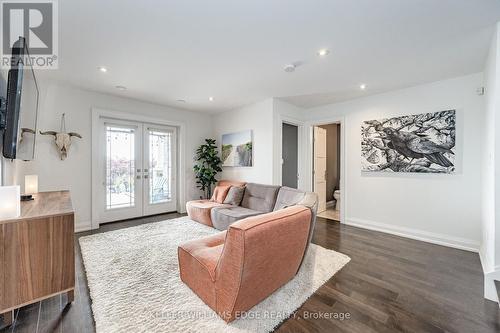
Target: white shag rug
(133, 277)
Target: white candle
(31, 184)
(10, 204)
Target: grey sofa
(260, 199)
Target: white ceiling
(163, 51)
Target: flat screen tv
(21, 106)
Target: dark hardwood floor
(392, 284)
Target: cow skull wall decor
(62, 138)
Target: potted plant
(208, 164)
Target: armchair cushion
(197, 263)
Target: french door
(138, 164)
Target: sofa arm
(310, 200)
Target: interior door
(121, 164)
(159, 169)
(289, 155)
(320, 166)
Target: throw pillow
(220, 193)
(235, 195)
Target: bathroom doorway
(327, 169)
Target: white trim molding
(83, 226)
(491, 273)
(490, 290)
(425, 236)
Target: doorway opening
(327, 169)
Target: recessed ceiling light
(323, 52)
(122, 88)
(211, 99)
(181, 101)
(102, 69)
(362, 86)
(289, 68)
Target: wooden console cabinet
(37, 259)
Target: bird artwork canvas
(423, 143)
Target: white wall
(490, 247)
(75, 172)
(257, 117)
(439, 208)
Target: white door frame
(278, 172)
(308, 170)
(98, 113)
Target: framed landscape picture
(423, 143)
(237, 149)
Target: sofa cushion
(220, 193)
(287, 197)
(234, 196)
(223, 217)
(260, 197)
(231, 183)
(199, 210)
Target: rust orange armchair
(236, 269)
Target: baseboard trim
(424, 236)
(485, 263)
(83, 226)
(330, 203)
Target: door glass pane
(160, 166)
(120, 167)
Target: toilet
(336, 196)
